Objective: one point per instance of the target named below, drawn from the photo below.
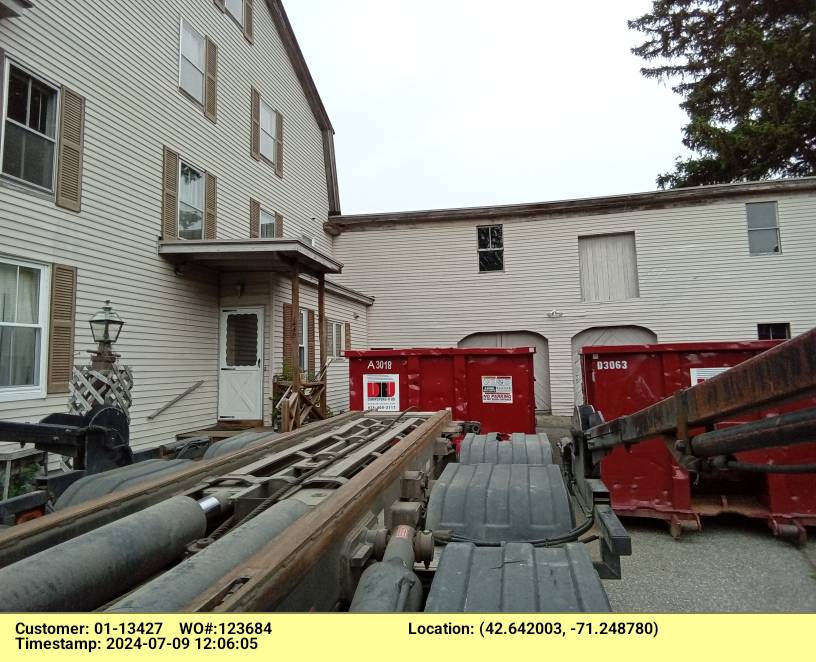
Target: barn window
(608, 267)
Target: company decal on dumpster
(701, 374)
(497, 390)
(381, 392)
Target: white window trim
(15, 393)
(181, 56)
(22, 182)
(272, 136)
(203, 211)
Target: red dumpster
(645, 481)
(493, 386)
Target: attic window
(491, 247)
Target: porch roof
(250, 255)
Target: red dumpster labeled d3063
(645, 481)
(494, 386)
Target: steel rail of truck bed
(262, 581)
(23, 540)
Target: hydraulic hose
(570, 536)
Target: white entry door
(240, 383)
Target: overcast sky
(458, 103)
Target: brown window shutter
(255, 146)
(310, 340)
(170, 195)
(288, 339)
(210, 79)
(220, 4)
(210, 205)
(248, 21)
(254, 219)
(278, 225)
(61, 333)
(279, 144)
(69, 165)
(348, 335)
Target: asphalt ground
(733, 565)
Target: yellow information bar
(296, 637)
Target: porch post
(293, 360)
(321, 331)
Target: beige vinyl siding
(608, 267)
(133, 108)
(697, 279)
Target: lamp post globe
(106, 324)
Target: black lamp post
(105, 327)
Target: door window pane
(242, 340)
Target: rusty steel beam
(33, 536)
(262, 581)
(781, 374)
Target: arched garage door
(541, 358)
(605, 335)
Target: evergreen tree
(746, 70)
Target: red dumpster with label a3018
(494, 386)
(645, 481)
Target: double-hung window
(269, 132)
(334, 339)
(763, 228)
(191, 62)
(267, 225)
(491, 247)
(30, 129)
(23, 317)
(191, 202)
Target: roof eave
(574, 207)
